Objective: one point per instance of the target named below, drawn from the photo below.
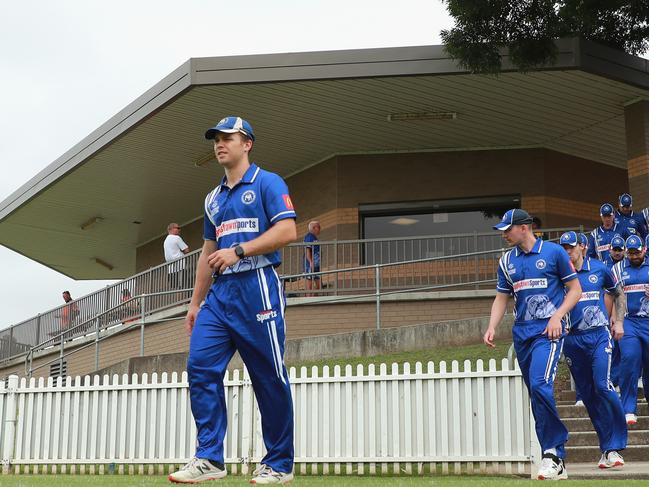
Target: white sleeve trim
(291, 212)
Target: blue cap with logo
(634, 243)
(513, 217)
(583, 239)
(626, 199)
(569, 238)
(617, 242)
(231, 125)
(606, 209)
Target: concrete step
(589, 438)
(632, 470)
(571, 411)
(591, 454)
(584, 424)
(565, 394)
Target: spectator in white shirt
(174, 248)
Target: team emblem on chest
(540, 264)
(593, 278)
(248, 197)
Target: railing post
(38, 329)
(61, 352)
(8, 441)
(475, 249)
(11, 340)
(377, 277)
(97, 343)
(335, 276)
(142, 312)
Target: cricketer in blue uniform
(634, 223)
(588, 347)
(632, 303)
(615, 256)
(537, 274)
(599, 242)
(248, 217)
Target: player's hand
(190, 319)
(488, 337)
(554, 328)
(220, 260)
(617, 329)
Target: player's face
(230, 149)
(636, 256)
(625, 210)
(607, 221)
(617, 254)
(573, 252)
(514, 235)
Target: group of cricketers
(588, 297)
(566, 298)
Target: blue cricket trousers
(538, 358)
(588, 355)
(244, 312)
(634, 353)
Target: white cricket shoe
(631, 419)
(196, 471)
(579, 403)
(266, 475)
(552, 468)
(611, 459)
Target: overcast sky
(68, 66)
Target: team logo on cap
(248, 197)
(593, 278)
(540, 264)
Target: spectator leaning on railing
(174, 248)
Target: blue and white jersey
(633, 224)
(242, 213)
(590, 311)
(599, 241)
(536, 280)
(634, 280)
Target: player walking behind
(537, 274)
(588, 349)
(632, 306)
(248, 217)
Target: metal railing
(350, 257)
(134, 311)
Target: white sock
(551, 450)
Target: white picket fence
(363, 421)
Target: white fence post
(535, 447)
(8, 441)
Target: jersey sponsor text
(589, 296)
(540, 283)
(237, 225)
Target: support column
(636, 118)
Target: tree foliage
(529, 28)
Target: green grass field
(146, 481)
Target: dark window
(406, 231)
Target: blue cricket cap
(606, 209)
(634, 242)
(513, 217)
(569, 238)
(583, 239)
(617, 242)
(231, 125)
(626, 199)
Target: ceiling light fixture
(404, 221)
(104, 263)
(408, 117)
(201, 161)
(88, 223)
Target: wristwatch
(239, 251)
